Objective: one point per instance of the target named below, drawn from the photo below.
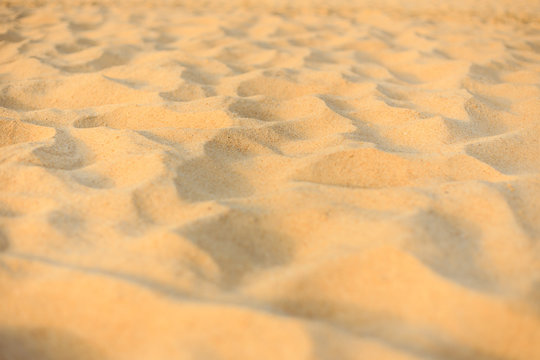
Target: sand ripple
(275, 182)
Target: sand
(270, 180)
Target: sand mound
(269, 180)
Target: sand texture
(270, 180)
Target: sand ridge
(281, 181)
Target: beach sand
(270, 180)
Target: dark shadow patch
(150, 284)
(77, 46)
(523, 58)
(11, 36)
(162, 41)
(211, 177)
(383, 35)
(137, 18)
(416, 340)
(11, 102)
(339, 105)
(484, 74)
(534, 297)
(68, 224)
(204, 179)
(393, 93)
(80, 26)
(441, 54)
(7, 212)
(89, 122)
(188, 92)
(459, 130)
(240, 241)
(127, 82)
(234, 32)
(273, 85)
(177, 148)
(525, 208)
(254, 109)
(535, 46)
(4, 241)
(447, 245)
(92, 180)
(317, 56)
(65, 153)
(485, 117)
(197, 76)
(22, 13)
(510, 153)
(237, 143)
(109, 58)
(405, 77)
(23, 343)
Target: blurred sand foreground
(276, 180)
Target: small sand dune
(270, 180)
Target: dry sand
(247, 180)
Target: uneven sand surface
(277, 180)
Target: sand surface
(270, 180)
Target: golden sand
(270, 180)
